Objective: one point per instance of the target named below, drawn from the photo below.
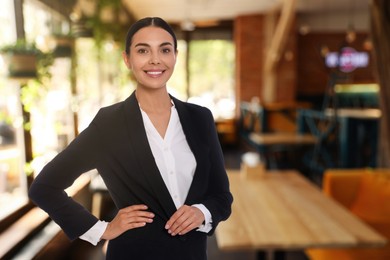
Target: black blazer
(115, 143)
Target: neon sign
(347, 60)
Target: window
(7, 18)
(102, 78)
(211, 69)
(50, 106)
(12, 177)
(208, 77)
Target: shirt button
(171, 172)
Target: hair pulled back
(146, 22)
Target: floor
(82, 250)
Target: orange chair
(366, 193)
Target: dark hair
(146, 22)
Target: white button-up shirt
(176, 164)
(173, 156)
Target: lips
(154, 73)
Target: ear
(126, 59)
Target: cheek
(171, 61)
(138, 62)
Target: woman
(159, 157)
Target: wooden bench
(20, 233)
(24, 228)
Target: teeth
(154, 72)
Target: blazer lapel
(195, 146)
(139, 141)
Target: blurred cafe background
(298, 84)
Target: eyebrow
(147, 45)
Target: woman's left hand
(185, 219)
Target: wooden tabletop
(363, 113)
(268, 139)
(283, 210)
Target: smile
(154, 73)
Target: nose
(154, 58)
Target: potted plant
(21, 58)
(64, 44)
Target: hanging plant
(64, 45)
(25, 61)
(21, 59)
(106, 22)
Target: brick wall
(252, 33)
(249, 39)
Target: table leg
(271, 255)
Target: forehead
(152, 35)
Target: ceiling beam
(280, 36)
(63, 7)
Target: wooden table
(360, 113)
(270, 139)
(268, 144)
(284, 211)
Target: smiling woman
(151, 58)
(159, 157)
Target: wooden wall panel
(312, 72)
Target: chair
(325, 129)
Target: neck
(153, 101)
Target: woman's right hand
(134, 216)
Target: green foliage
(45, 60)
(21, 47)
(35, 89)
(28, 169)
(31, 93)
(106, 30)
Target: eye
(142, 51)
(166, 50)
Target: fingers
(134, 216)
(185, 219)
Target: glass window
(7, 22)
(177, 85)
(211, 73)
(209, 79)
(102, 78)
(51, 114)
(49, 99)
(13, 187)
(12, 176)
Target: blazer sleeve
(219, 198)
(47, 190)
